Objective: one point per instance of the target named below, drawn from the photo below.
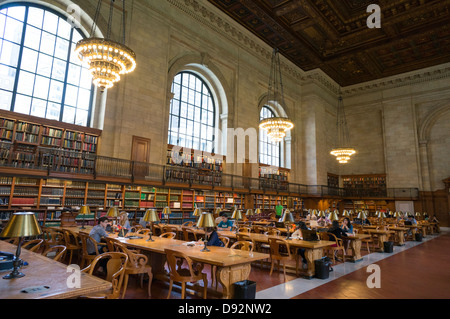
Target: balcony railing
(52, 161)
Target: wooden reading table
(45, 279)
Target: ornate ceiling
(333, 35)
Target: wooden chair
(243, 245)
(280, 252)
(56, 253)
(143, 231)
(115, 269)
(188, 224)
(258, 229)
(52, 237)
(273, 232)
(33, 245)
(85, 256)
(244, 230)
(72, 243)
(136, 265)
(175, 260)
(168, 235)
(225, 241)
(338, 247)
(169, 229)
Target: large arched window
(39, 73)
(192, 113)
(269, 152)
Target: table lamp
(217, 212)
(151, 216)
(197, 213)
(288, 218)
(418, 214)
(334, 215)
(345, 213)
(248, 214)
(321, 213)
(314, 213)
(205, 221)
(166, 212)
(113, 212)
(20, 225)
(361, 215)
(84, 210)
(258, 211)
(237, 215)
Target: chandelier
(342, 151)
(276, 127)
(107, 59)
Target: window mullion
(19, 62)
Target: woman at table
(347, 226)
(225, 224)
(123, 222)
(213, 237)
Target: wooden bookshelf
(333, 180)
(72, 147)
(201, 167)
(273, 177)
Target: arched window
(269, 152)
(39, 73)
(192, 113)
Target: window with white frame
(269, 152)
(192, 119)
(40, 74)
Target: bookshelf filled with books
(22, 137)
(193, 166)
(273, 177)
(359, 185)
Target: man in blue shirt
(97, 233)
(225, 224)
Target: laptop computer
(309, 235)
(280, 225)
(408, 223)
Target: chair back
(177, 259)
(273, 232)
(111, 243)
(225, 240)
(244, 229)
(279, 248)
(33, 245)
(243, 245)
(52, 237)
(143, 231)
(71, 239)
(85, 238)
(332, 237)
(168, 235)
(115, 269)
(243, 237)
(188, 224)
(58, 250)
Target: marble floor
(415, 265)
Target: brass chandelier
(107, 59)
(342, 150)
(276, 127)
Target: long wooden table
(383, 236)
(313, 249)
(50, 276)
(355, 245)
(232, 265)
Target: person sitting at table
(347, 226)
(412, 220)
(213, 237)
(123, 223)
(336, 230)
(219, 218)
(225, 224)
(324, 221)
(298, 234)
(97, 233)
